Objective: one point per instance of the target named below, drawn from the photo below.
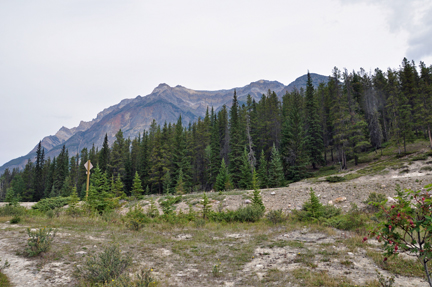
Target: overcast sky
(64, 61)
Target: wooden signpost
(88, 167)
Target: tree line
(281, 140)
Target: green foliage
(335, 178)
(4, 281)
(352, 220)
(168, 204)
(383, 281)
(256, 199)
(137, 189)
(152, 211)
(275, 173)
(12, 197)
(136, 218)
(100, 199)
(313, 210)
(206, 206)
(406, 226)
(142, 279)
(10, 210)
(263, 171)
(51, 203)
(246, 173)
(105, 266)
(249, 213)
(223, 181)
(39, 240)
(16, 219)
(276, 216)
(373, 201)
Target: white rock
(247, 201)
(81, 252)
(330, 202)
(390, 200)
(273, 193)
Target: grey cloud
(412, 17)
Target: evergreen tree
(117, 187)
(276, 176)
(263, 171)
(294, 155)
(246, 172)
(99, 191)
(38, 185)
(313, 143)
(235, 143)
(137, 189)
(104, 155)
(179, 188)
(223, 181)
(215, 149)
(257, 199)
(167, 183)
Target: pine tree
(99, 191)
(276, 176)
(117, 187)
(167, 182)
(38, 185)
(246, 172)
(313, 143)
(179, 188)
(215, 149)
(235, 143)
(293, 151)
(263, 171)
(223, 181)
(257, 199)
(137, 189)
(104, 155)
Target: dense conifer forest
(280, 140)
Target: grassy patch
(4, 281)
(305, 277)
(398, 265)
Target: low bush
(249, 213)
(351, 220)
(276, 216)
(335, 178)
(51, 203)
(39, 241)
(142, 279)
(11, 210)
(135, 218)
(106, 266)
(16, 219)
(420, 157)
(313, 210)
(426, 168)
(168, 204)
(373, 200)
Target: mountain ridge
(164, 104)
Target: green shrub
(373, 200)
(142, 279)
(313, 210)
(276, 216)
(135, 218)
(426, 168)
(39, 241)
(16, 219)
(335, 178)
(50, 213)
(349, 221)
(51, 203)
(11, 210)
(250, 213)
(106, 266)
(420, 157)
(168, 204)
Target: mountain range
(164, 104)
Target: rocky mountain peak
(162, 87)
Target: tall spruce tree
(246, 171)
(276, 174)
(104, 155)
(313, 142)
(263, 171)
(235, 143)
